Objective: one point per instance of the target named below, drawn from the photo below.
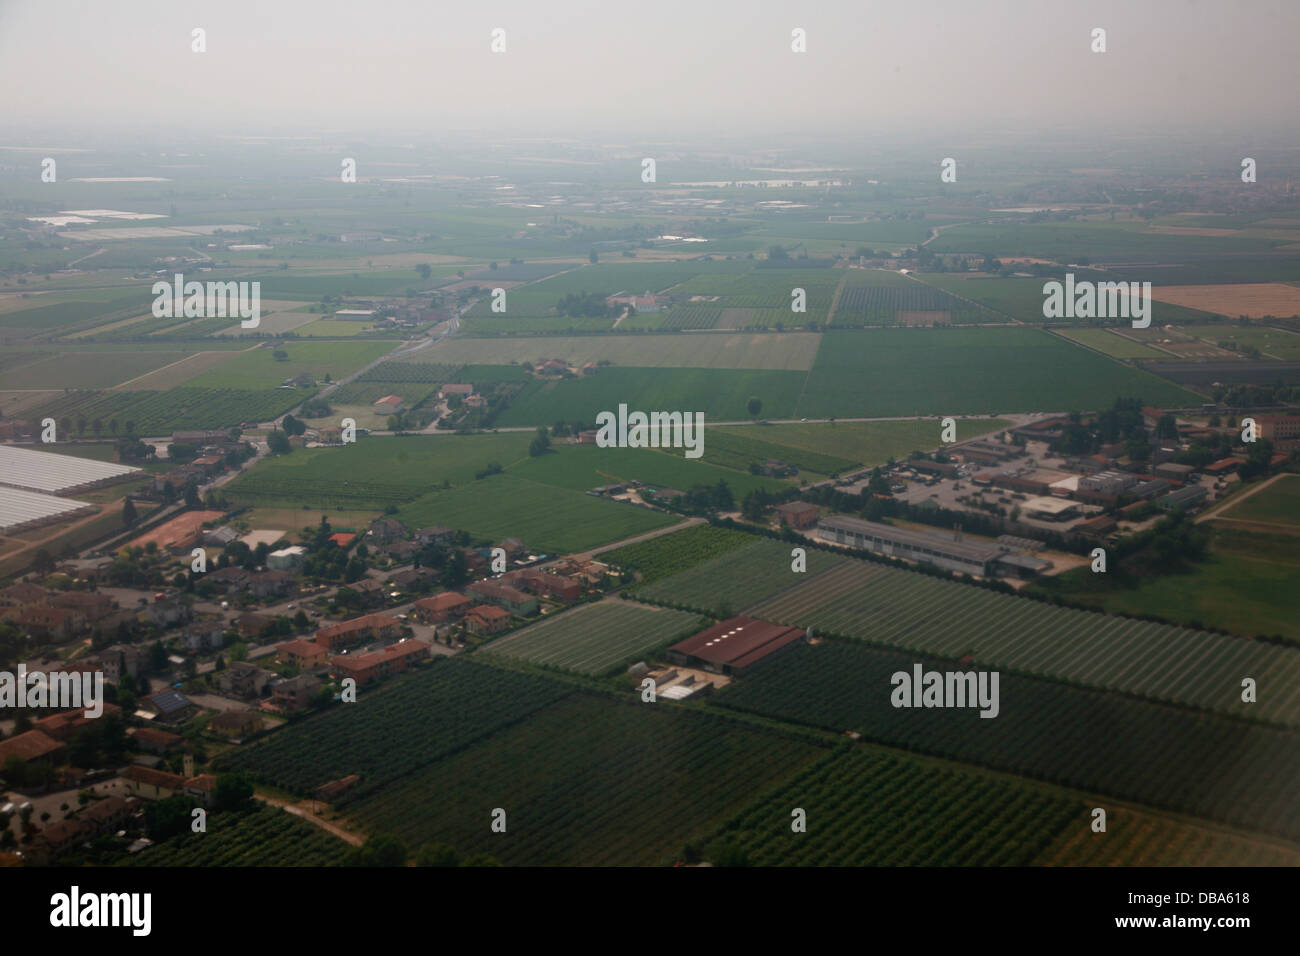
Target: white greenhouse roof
(52, 473)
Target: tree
(234, 792)
(300, 620)
(424, 270)
(437, 854)
(278, 442)
(378, 851)
(292, 426)
(43, 562)
(280, 355)
(541, 444)
(754, 406)
(128, 512)
(592, 257)
(777, 252)
(456, 571)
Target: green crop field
(876, 297)
(261, 836)
(792, 350)
(1155, 755)
(259, 369)
(581, 467)
(427, 372)
(1103, 242)
(1278, 343)
(867, 808)
(542, 516)
(457, 702)
(591, 781)
(725, 584)
(1136, 838)
(75, 369)
(1022, 299)
(159, 413)
(857, 443)
(1245, 586)
(1116, 346)
(596, 638)
(896, 608)
(367, 393)
(721, 394)
(667, 554)
(969, 371)
(739, 448)
(1279, 503)
(375, 471)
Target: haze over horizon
(648, 72)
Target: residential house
(384, 530)
(303, 654)
(236, 723)
(462, 390)
(252, 624)
(169, 706)
(442, 607)
(242, 679)
(369, 627)
(487, 619)
(296, 692)
(389, 405)
(150, 784)
(376, 665)
(203, 789)
(503, 595)
(31, 746)
(155, 741)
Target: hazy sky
(651, 68)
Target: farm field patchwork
(595, 638)
(72, 369)
(261, 836)
(259, 368)
(878, 809)
(1279, 503)
(896, 608)
(1135, 750)
(1274, 342)
(582, 467)
(792, 350)
(884, 372)
(667, 554)
(857, 443)
(721, 394)
(1116, 346)
(726, 584)
(374, 472)
(591, 780)
(542, 516)
(458, 701)
(1251, 299)
(159, 413)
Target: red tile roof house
(377, 665)
(536, 581)
(512, 599)
(370, 627)
(486, 619)
(155, 741)
(152, 784)
(442, 607)
(734, 646)
(301, 653)
(29, 746)
(389, 405)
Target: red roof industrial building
(734, 646)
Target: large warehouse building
(734, 646)
(971, 557)
(22, 510)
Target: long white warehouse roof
(18, 507)
(52, 473)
